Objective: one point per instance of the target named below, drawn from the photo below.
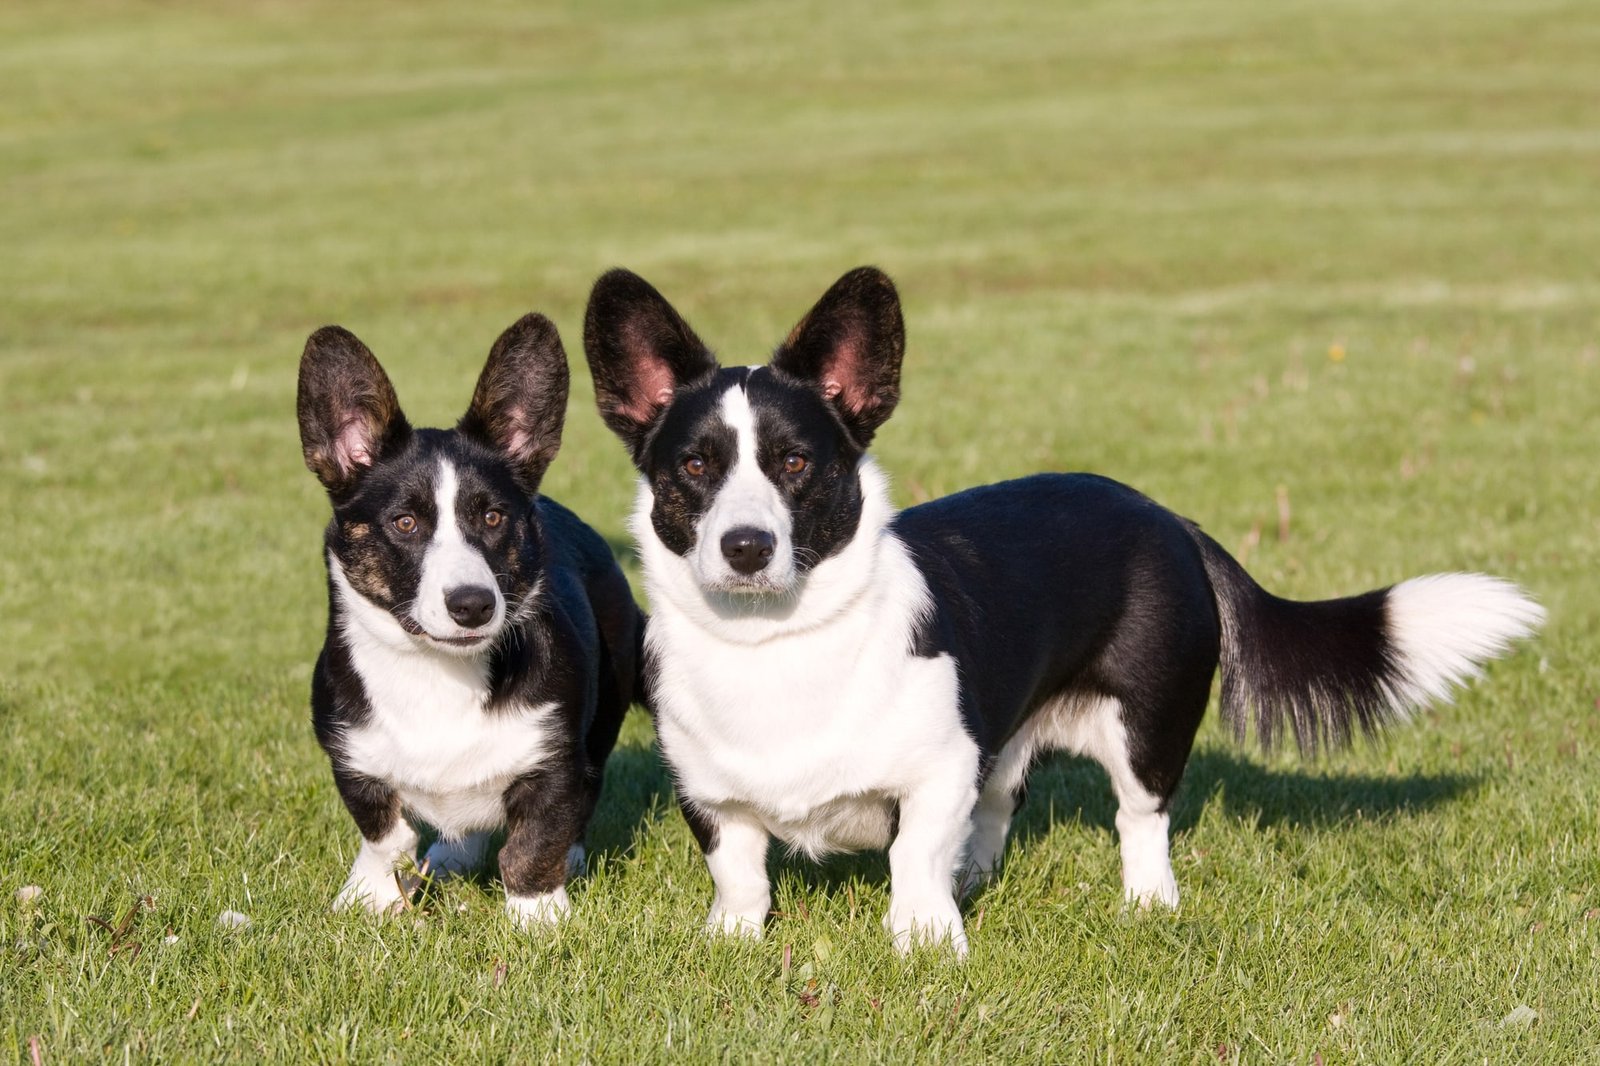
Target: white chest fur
(816, 730)
(430, 735)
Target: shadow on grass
(1066, 788)
(1062, 789)
(637, 797)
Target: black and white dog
(482, 642)
(838, 675)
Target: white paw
(730, 921)
(927, 921)
(577, 861)
(541, 911)
(1146, 860)
(1159, 887)
(380, 895)
(456, 858)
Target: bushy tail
(1324, 669)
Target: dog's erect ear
(849, 347)
(349, 414)
(640, 351)
(520, 403)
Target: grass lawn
(1342, 255)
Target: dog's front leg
(387, 840)
(932, 837)
(546, 813)
(735, 847)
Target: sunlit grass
(1323, 268)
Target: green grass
(1210, 249)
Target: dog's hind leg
(991, 822)
(1144, 777)
(1143, 827)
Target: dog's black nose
(470, 605)
(747, 550)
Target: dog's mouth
(458, 642)
(469, 640)
(751, 586)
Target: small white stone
(1521, 1017)
(233, 920)
(29, 893)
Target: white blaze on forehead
(739, 417)
(449, 563)
(747, 498)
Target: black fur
(1059, 586)
(520, 404)
(849, 349)
(695, 430)
(830, 385)
(349, 415)
(1047, 588)
(640, 352)
(575, 634)
(1326, 668)
(1063, 585)
(825, 499)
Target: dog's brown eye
(492, 518)
(795, 463)
(694, 466)
(406, 524)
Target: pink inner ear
(652, 390)
(518, 441)
(517, 436)
(353, 446)
(842, 377)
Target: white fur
(429, 736)
(455, 858)
(1445, 625)
(747, 498)
(533, 912)
(858, 574)
(805, 717)
(738, 866)
(1093, 727)
(926, 852)
(374, 882)
(449, 563)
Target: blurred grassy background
(1343, 253)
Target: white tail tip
(1445, 626)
